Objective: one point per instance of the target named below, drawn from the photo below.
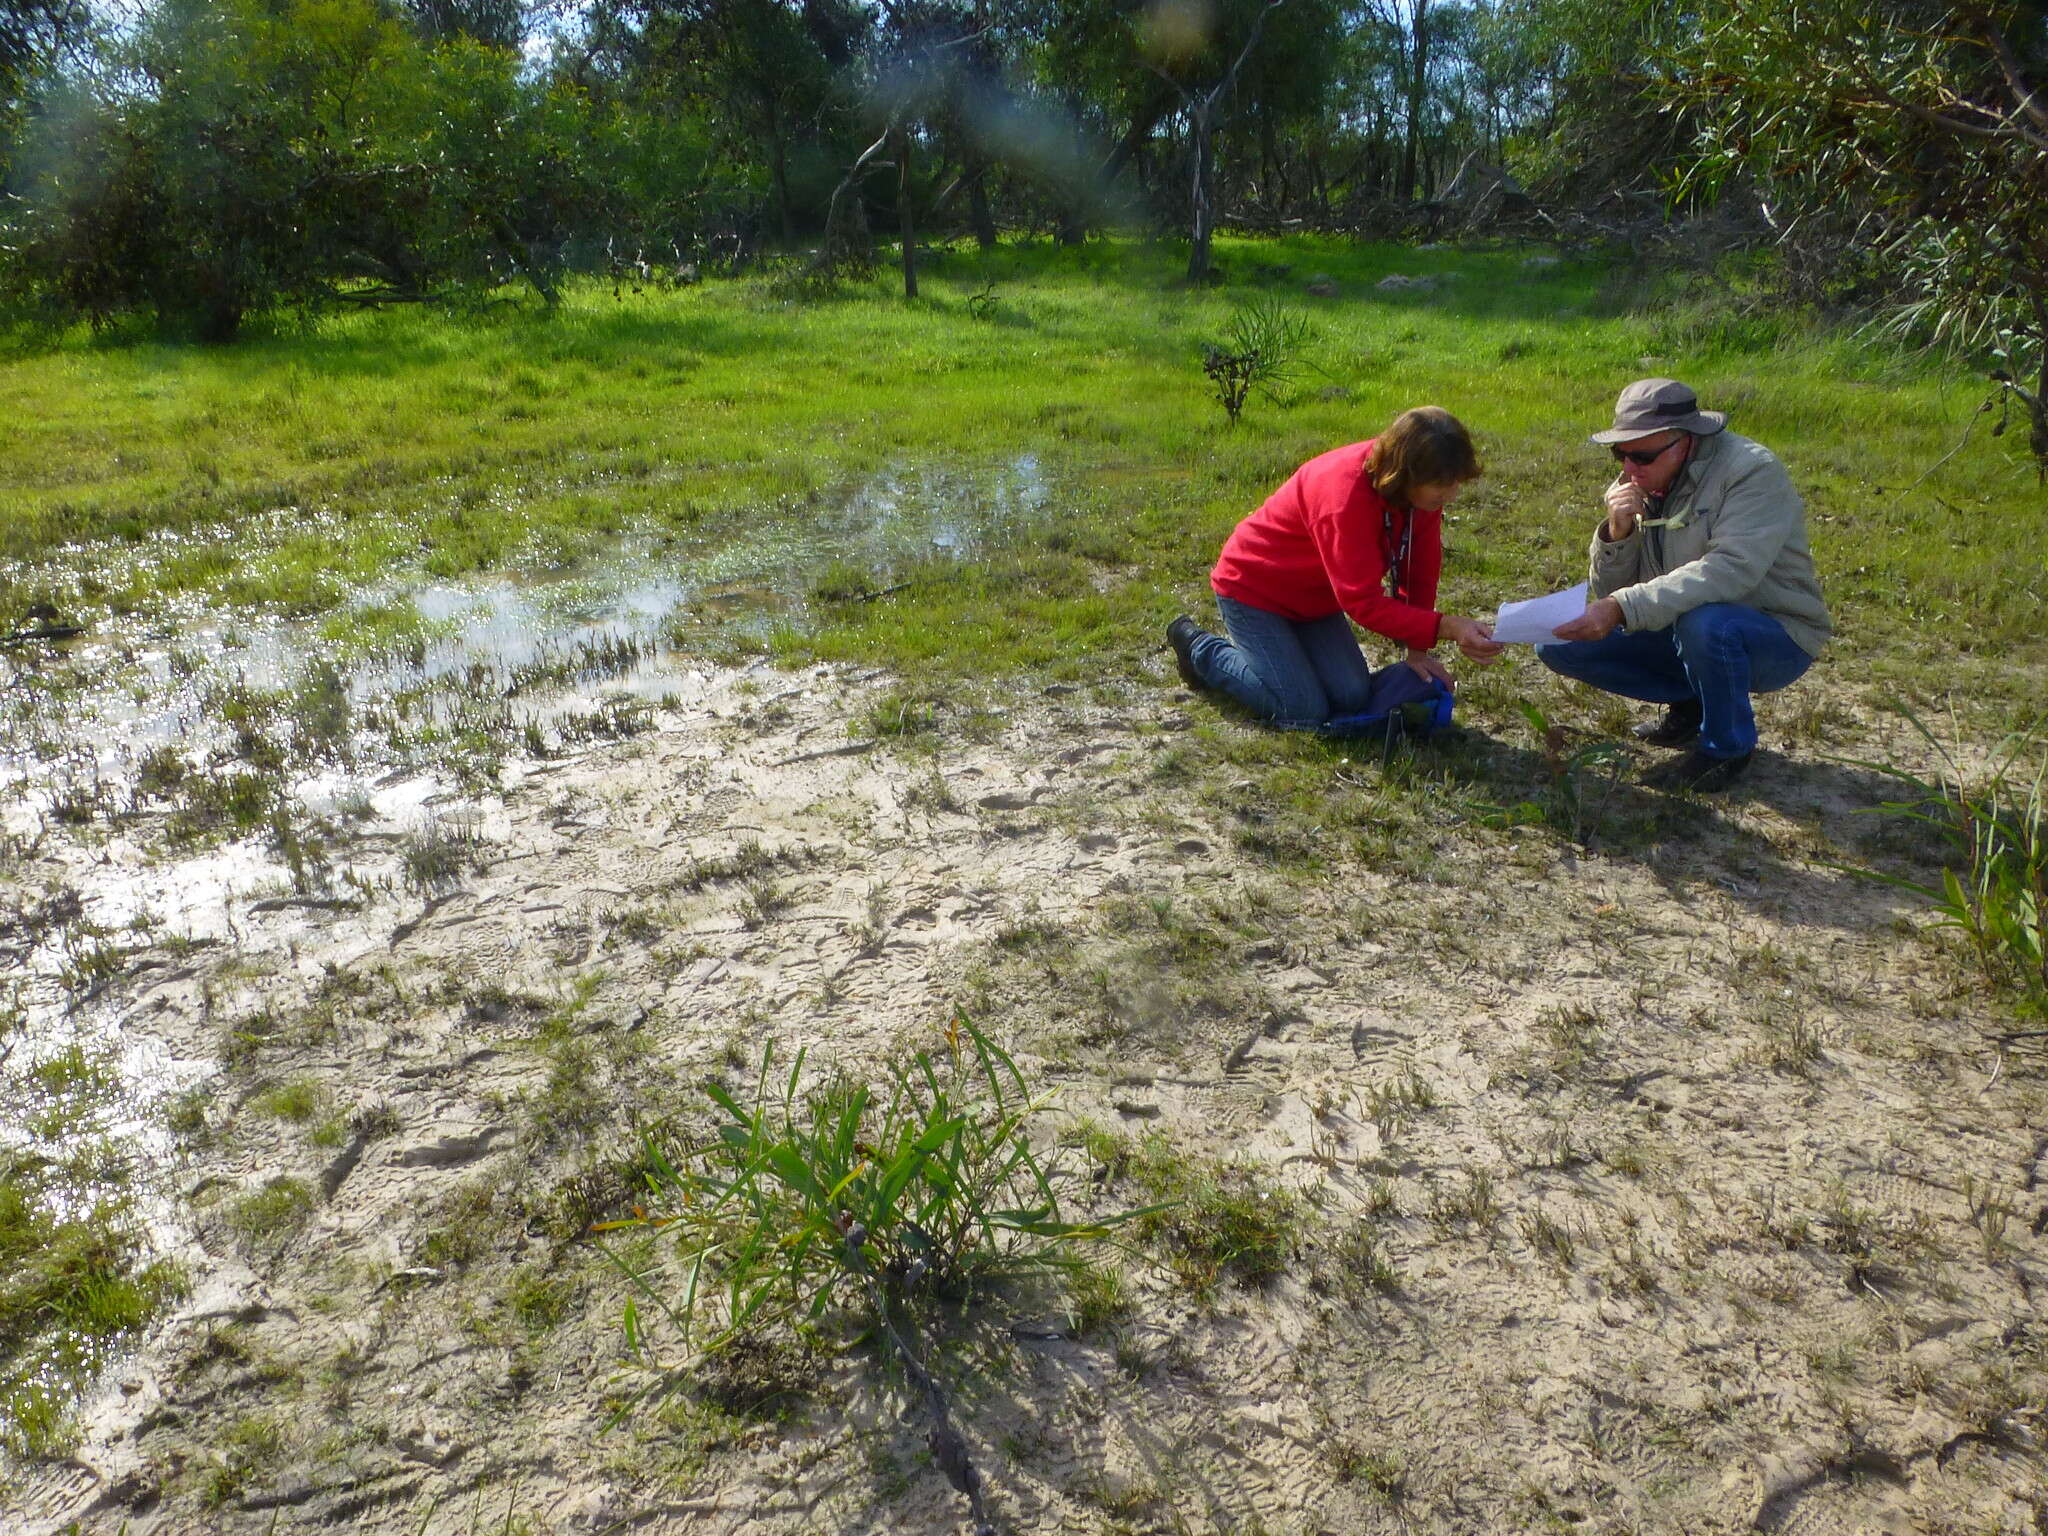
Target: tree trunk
(978, 214)
(778, 170)
(1204, 195)
(1418, 95)
(903, 214)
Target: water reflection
(117, 692)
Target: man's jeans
(1718, 653)
(1294, 673)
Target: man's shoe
(1182, 634)
(1680, 726)
(1698, 772)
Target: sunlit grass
(307, 463)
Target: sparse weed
(811, 1200)
(1572, 1034)
(931, 794)
(1382, 1473)
(1476, 1203)
(1357, 1264)
(438, 852)
(1550, 1238)
(760, 900)
(1990, 1213)
(1998, 898)
(1389, 1106)
(1223, 1221)
(273, 1212)
(1789, 1045)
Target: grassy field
(290, 472)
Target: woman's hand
(1474, 638)
(1427, 666)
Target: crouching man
(1702, 589)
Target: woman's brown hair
(1425, 446)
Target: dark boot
(1182, 634)
(1680, 726)
(1696, 771)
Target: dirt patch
(1673, 1186)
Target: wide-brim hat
(1659, 405)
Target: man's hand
(1427, 666)
(1625, 503)
(1472, 636)
(1601, 618)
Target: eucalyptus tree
(494, 23)
(33, 35)
(1586, 93)
(1924, 121)
(224, 157)
(776, 77)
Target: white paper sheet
(1530, 622)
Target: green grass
(1215, 1220)
(423, 445)
(71, 1289)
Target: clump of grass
(931, 1188)
(272, 1213)
(1098, 1295)
(209, 804)
(72, 1285)
(438, 852)
(1215, 1220)
(1550, 1238)
(1356, 1265)
(1790, 1045)
(1572, 1033)
(900, 716)
(836, 1197)
(1997, 894)
(931, 794)
(1391, 1105)
(248, 1448)
(296, 1100)
(1476, 1204)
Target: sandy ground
(1709, 1201)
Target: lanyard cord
(1395, 556)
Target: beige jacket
(1737, 535)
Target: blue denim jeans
(1718, 653)
(1296, 673)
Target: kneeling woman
(1355, 534)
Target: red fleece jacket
(1321, 544)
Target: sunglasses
(1646, 456)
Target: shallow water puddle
(97, 706)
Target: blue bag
(1402, 702)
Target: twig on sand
(43, 632)
(850, 749)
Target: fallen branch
(948, 1445)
